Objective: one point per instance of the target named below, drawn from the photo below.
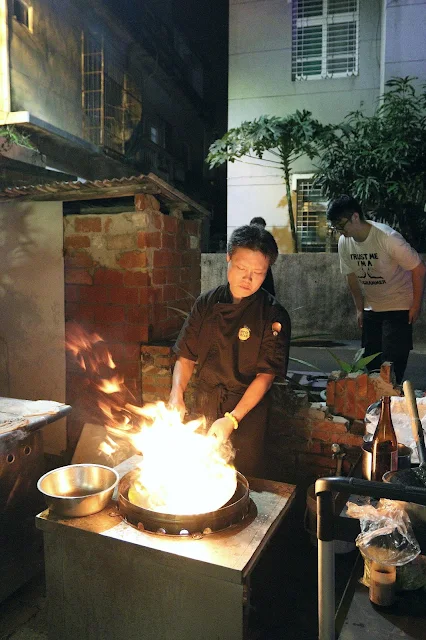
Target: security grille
(325, 39)
(111, 106)
(311, 222)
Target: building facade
(330, 57)
(98, 98)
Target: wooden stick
(416, 425)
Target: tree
(381, 160)
(269, 137)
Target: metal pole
(325, 535)
(382, 77)
(102, 104)
(4, 62)
(326, 597)
(83, 86)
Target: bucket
(310, 524)
(404, 457)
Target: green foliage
(290, 136)
(274, 141)
(12, 136)
(358, 363)
(381, 160)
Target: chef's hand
(176, 401)
(221, 428)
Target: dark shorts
(390, 333)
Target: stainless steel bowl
(78, 489)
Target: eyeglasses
(340, 227)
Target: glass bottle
(384, 446)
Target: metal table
(21, 465)
(106, 579)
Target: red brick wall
(157, 368)
(300, 433)
(123, 273)
(158, 361)
(351, 395)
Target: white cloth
(383, 265)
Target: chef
(239, 335)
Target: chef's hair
(258, 220)
(255, 238)
(343, 207)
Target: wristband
(232, 418)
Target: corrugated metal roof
(109, 188)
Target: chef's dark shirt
(234, 342)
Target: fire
(111, 386)
(183, 471)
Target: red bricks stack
(123, 274)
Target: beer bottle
(384, 447)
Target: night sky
(205, 24)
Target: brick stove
(125, 274)
(106, 579)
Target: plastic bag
(386, 534)
(400, 419)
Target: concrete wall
(313, 291)
(45, 64)
(260, 83)
(32, 356)
(405, 39)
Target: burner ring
(233, 512)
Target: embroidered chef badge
(276, 328)
(244, 333)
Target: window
(325, 39)
(23, 13)
(154, 133)
(311, 221)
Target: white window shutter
(325, 38)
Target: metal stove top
(229, 554)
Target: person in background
(240, 337)
(386, 278)
(268, 283)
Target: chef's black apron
(232, 344)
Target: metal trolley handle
(325, 534)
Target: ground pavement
(345, 350)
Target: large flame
(183, 471)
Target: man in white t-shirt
(386, 278)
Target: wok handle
(416, 425)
